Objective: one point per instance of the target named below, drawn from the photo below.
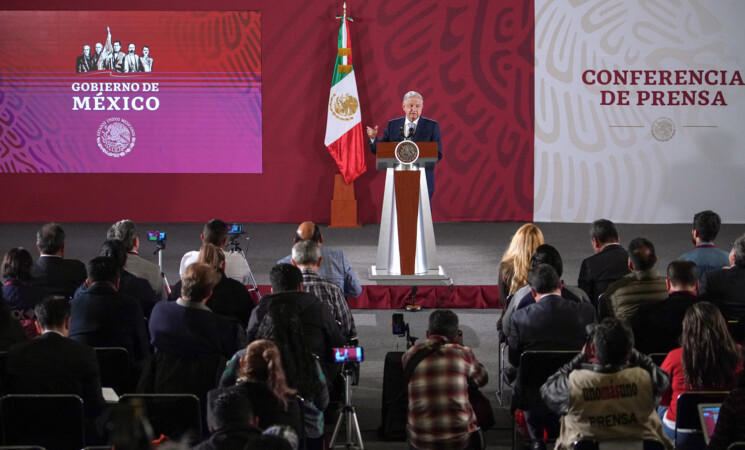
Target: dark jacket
(135, 287)
(53, 364)
(598, 271)
(238, 436)
(726, 289)
(11, 331)
(319, 327)
(59, 276)
(229, 298)
(657, 326)
(103, 317)
(193, 331)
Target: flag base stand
(343, 205)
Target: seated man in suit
(129, 284)
(414, 127)
(608, 264)
(610, 391)
(104, 317)
(657, 326)
(643, 285)
(335, 267)
(126, 232)
(52, 363)
(726, 287)
(215, 232)
(544, 254)
(552, 323)
(59, 276)
(705, 254)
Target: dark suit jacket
(59, 276)
(657, 326)
(53, 364)
(427, 130)
(103, 317)
(135, 287)
(726, 289)
(601, 269)
(229, 298)
(189, 332)
(553, 323)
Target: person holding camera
(440, 414)
(609, 391)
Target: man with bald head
(334, 267)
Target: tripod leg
(337, 427)
(357, 432)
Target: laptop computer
(708, 414)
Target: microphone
(411, 134)
(401, 134)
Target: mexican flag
(344, 136)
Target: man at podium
(413, 127)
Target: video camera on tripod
(159, 237)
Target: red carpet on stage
(394, 297)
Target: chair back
(536, 366)
(591, 444)
(3, 361)
(115, 368)
(686, 417)
(51, 421)
(173, 415)
(736, 446)
(657, 358)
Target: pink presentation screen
(166, 92)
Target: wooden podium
(406, 245)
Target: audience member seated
(131, 285)
(232, 425)
(260, 376)
(608, 264)
(729, 427)
(657, 326)
(11, 330)
(552, 323)
(705, 253)
(335, 269)
(52, 363)
(306, 256)
(126, 232)
(104, 317)
(283, 326)
(726, 287)
(544, 254)
(229, 298)
(187, 328)
(708, 360)
(643, 285)
(439, 414)
(18, 293)
(52, 271)
(321, 331)
(513, 270)
(215, 232)
(582, 391)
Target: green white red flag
(344, 136)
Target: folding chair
(51, 421)
(686, 416)
(535, 368)
(115, 368)
(173, 415)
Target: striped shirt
(333, 297)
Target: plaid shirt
(333, 297)
(439, 413)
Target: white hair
(413, 94)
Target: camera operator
(215, 232)
(440, 414)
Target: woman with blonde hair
(513, 270)
(229, 298)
